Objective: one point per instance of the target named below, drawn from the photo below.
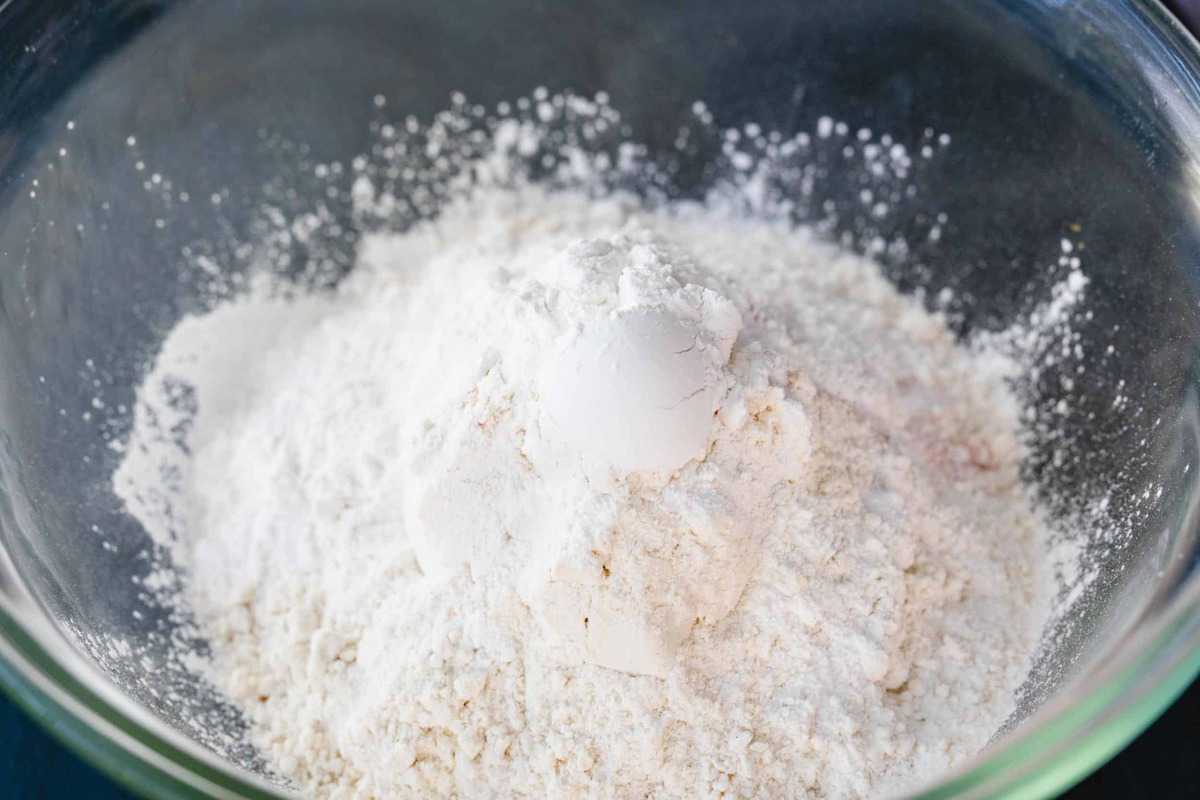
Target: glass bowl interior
(1065, 119)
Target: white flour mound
(560, 496)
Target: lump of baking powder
(636, 391)
(633, 393)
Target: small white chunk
(634, 392)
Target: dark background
(1164, 762)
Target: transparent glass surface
(1080, 117)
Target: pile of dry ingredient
(561, 495)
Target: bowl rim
(1155, 659)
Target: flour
(559, 495)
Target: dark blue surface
(33, 765)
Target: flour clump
(560, 495)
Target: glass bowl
(132, 129)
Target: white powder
(559, 496)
